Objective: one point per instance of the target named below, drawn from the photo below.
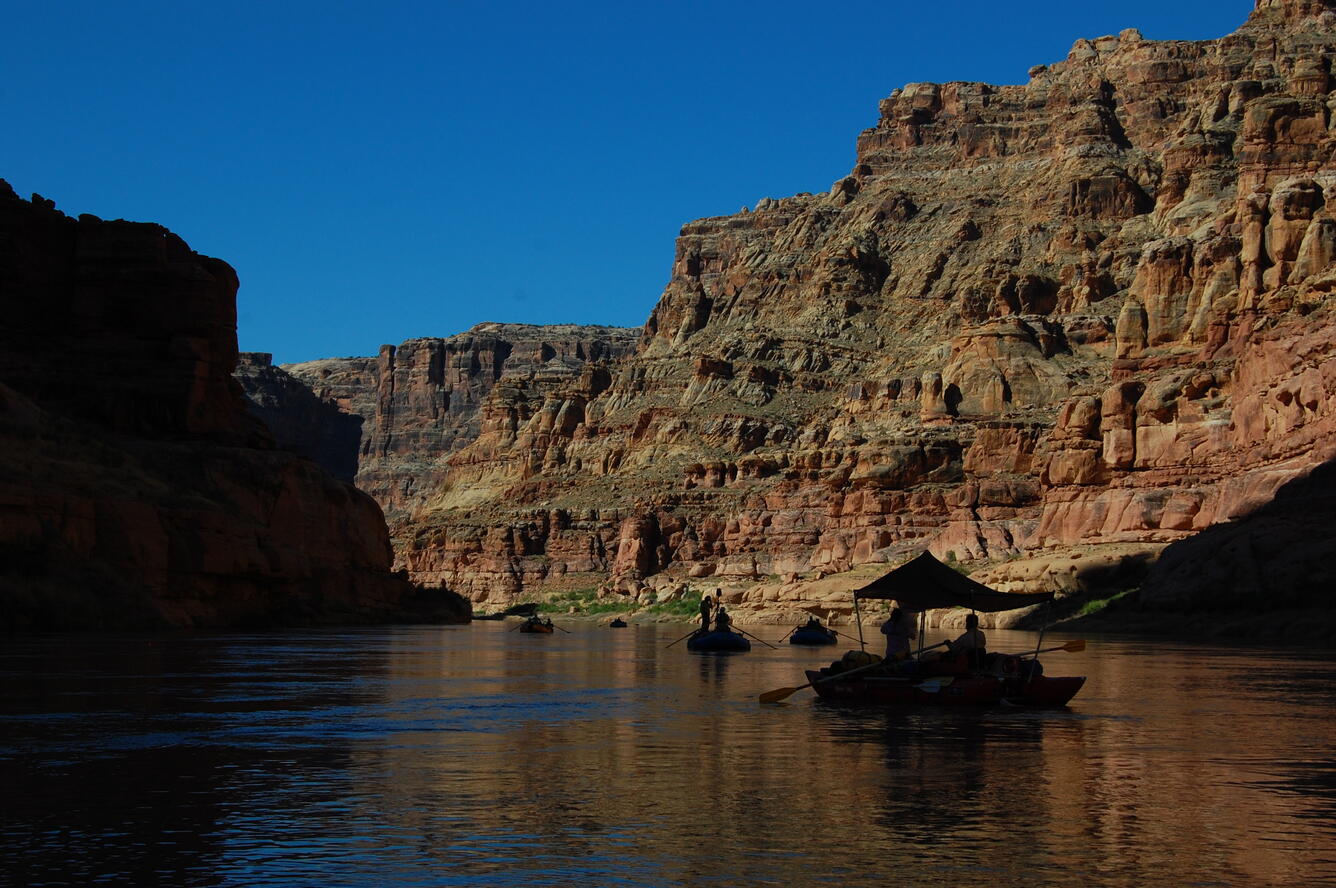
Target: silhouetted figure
(971, 642)
(706, 605)
(899, 631)
(971, 639)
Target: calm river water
(474, 755)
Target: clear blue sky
(379, 171)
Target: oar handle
(1069, 646)
(845, 672)
(781, 693)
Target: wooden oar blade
(778, 694)
(1075, 645)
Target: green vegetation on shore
(1095, 606)
(585, 602)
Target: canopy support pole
(923, 630)
(1034, 663)
(858, 615)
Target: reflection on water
(479, 756)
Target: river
(479, 756)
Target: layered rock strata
(135, 489)
(1088, 315)
(421, 401)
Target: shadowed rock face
(135, 489)
(1092, 310)
(1279, 556)
(299, 421)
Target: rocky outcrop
(421, 401)
(135, 489)
(316, 429)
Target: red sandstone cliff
(421, 401)
(135, 490)
(1087, 316)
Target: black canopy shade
(925, 583)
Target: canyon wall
(421, 401)
(319, 430)
(1045, 330)
(135, 489)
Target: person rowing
(970, 640)
(971, 643)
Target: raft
(540, 628)
(618, 623)
(812, 635)
(1008, 679)
(718, 641)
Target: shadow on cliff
(136, 491)
(1268, 575)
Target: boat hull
(536, 630)
(1043, 690)
(945, 690)
(812, 637)
(718, 642)
(894, 690)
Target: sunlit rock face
(1088, 313)
(135, 489)
(423, 400)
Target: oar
(841, 634)
(781, 693)
(683, 638)
(787, 637)
(1076, 644)
(749, 635)
(555, 626)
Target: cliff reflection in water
(474, 755)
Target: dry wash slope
(1088, 311)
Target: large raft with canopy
(967, 678)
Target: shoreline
(1307, 627)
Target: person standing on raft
(706, 605)
(899, 631)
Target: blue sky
(379, 171)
